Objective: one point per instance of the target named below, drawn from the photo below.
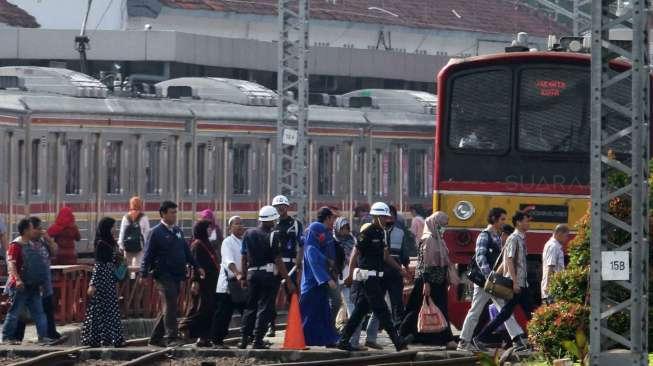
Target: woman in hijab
(431, 279)
(319, 329)
(197, 322)
(214, 232)
(102, 326)
(134, 229)
(65, 233)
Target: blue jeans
(30, 298)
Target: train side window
(375, 172)
(21, 168)
(153, 168)
(240, 169)
(73, 166)
(362, 171)
(34, 169)
(416, 173)
(113, 162)
(201, 169)
(326, 171)
(187, 166)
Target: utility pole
(620, 121)
(579, 14)
(292, 118)
(81, 41)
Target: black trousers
(48, 309)
(394, 285)
(522, 298)
(440, 298)
(369, 296)
(166, 321)
(222, 317)
(260, 305)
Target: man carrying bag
(514, 267)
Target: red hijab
(65, 219)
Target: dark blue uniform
(261, 248)
(368, 294)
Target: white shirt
(230, 252)
(145, 229)
(552, 255)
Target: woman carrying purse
(102, 325)
(432, 278)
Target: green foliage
(485, 359)
(579, 248)
(570, 285)
(553, 324)
(578, 348)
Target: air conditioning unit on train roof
(56, 81)
(395, 100)
(223, 90)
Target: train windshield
(553, 110)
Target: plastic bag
(430, 318)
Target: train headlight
(464, 210)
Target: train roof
(70, 98)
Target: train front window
(553, 114)
(479, 117)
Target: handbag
(430, 318)
(497, 284)
(120, 272)
(237, 293)
(474, 273)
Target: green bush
(553, 324)
(570, 285)
(579, 248)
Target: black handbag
(237, 293)
(474, 273)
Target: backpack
(34, 271)
(133, 239)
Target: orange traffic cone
(294, 331)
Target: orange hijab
(135, 208)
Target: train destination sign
(547, 213)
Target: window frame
(119, 168)
(79, 142)
(447, 117)
(158, 189)
(247, 168)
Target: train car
(513, 131)
(202, 142)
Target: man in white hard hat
(290, 232)
(366, 276)
(261, 255)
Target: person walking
(27, 276)
(432, 280)
(215, 234)
(65, 233)
(290, 231)
(261, 252)
(317, 319)
(197, 322)
(347, 241)
(231, 273)
(134, 229)
(488, 247)
(513, 266)
(102, 325)
(166, 257)
(48, 249)
(553, 259)
(417, 223)
(399, 239)
(365, 275)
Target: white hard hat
(268, 213)
(380, 209)
(280, 200)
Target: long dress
(198, 317)
(317, 322)
(102, 326)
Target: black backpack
(133, 239)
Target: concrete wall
(68, 14)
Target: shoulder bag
(497, 284)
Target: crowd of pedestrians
(337, 271)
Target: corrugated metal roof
(492, 16)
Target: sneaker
(271, 333)
(373, 345)
(345, 346)
(464, 346)
(521, 345)
(480, 345)
(45, 341)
